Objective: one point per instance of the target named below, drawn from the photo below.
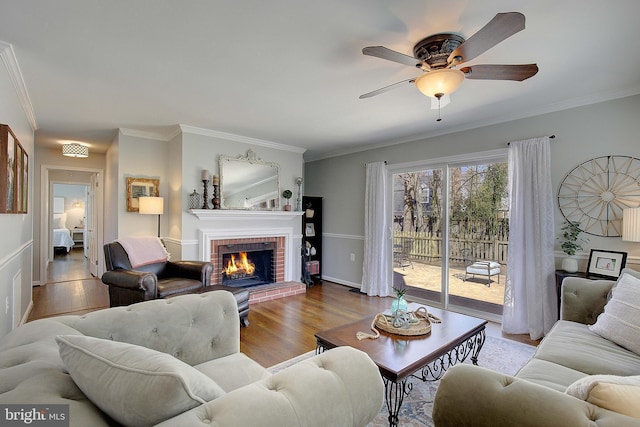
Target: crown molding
(176, 130)
(11, 63)
(166, 135)
(240, 138)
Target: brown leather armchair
(161, 280)
(152, 281)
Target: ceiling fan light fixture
(440, 82)
(75, 150)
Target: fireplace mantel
(242, 215)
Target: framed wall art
(596, 192)
(140, 187)
(606, 264)
(14, 166)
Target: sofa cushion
(134, 385)
(549, 374)
(574, 346)
(616, 393)
(624, 271)
(245, 371)
(620, 321)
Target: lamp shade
(151, 205)
(75, 150)
(443, 82)
(631, 224)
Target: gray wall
(607, 128)
(202, 151)
(177, 161)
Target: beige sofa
(177, 362)
(567, 357)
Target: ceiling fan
(439, 54)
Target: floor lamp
(631, 224)
(151, 206)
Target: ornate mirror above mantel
(247, 182)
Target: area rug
(499, 354)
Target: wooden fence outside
(426, 246)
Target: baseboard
(27, 313)
(341, 282)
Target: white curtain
(530, 304)
(377, 243)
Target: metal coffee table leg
(394, 396)
(477, 346)
(458, 354)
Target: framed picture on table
(606, 264)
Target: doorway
(450, 232)
(83, 219)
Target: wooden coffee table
(398, 357)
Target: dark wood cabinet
(311, 239)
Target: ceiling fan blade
(500, 72)
(501, 27)
(390, 55)
(386, 89)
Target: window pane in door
(478, 236)
(417, 232)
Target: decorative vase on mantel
(569, 264)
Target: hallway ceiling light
(75, 150)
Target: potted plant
(287, 195)
(570, 244)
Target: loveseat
(177, 362)
(577, 377)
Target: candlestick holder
(216, 196)
(205, 204)
(299, 198)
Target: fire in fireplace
(249, 267)
(239, 269)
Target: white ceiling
(291, 71)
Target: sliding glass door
(417, 231)
(450, 240)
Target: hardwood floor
(278, 330)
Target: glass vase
(399, 304)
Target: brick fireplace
(226, 230)
(221, 250)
